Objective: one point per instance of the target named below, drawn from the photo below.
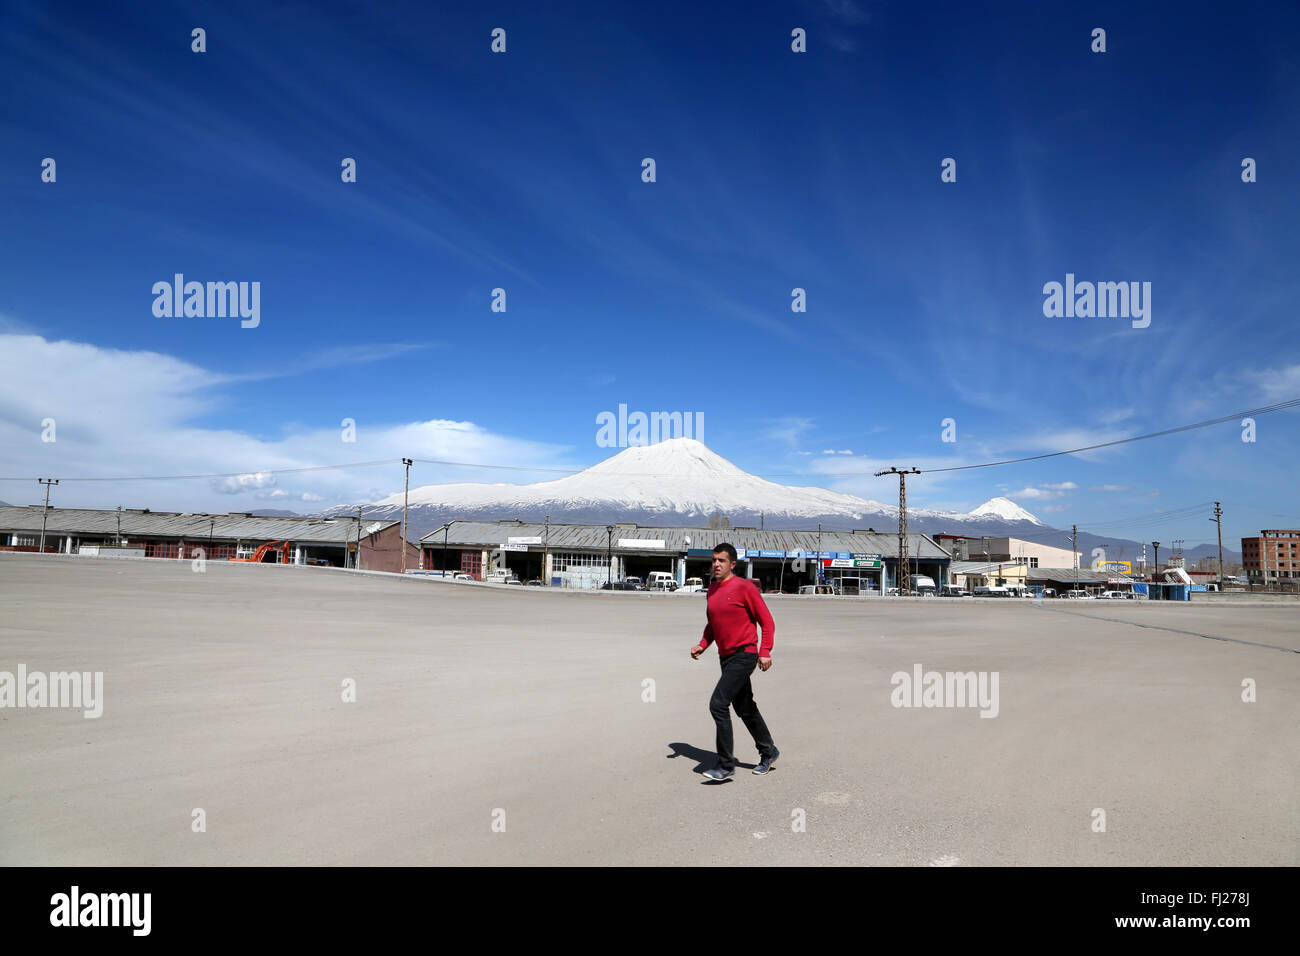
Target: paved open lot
(224, 691)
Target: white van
(923, 585)
(661, 581)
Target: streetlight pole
(819, 553)
(546, 552)
(445, 529)
(609, 556)
(405, 495)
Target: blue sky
(775, 170)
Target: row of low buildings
(587, 556)
(336, 542)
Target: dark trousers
(734, 690)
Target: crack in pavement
(1175, 630)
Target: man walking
(734, 606)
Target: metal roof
(491, 534)
(1068, 574)
(188, 525)
(979, 567)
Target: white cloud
(242, 483)
(1046, 492)
(1278, 384)
(1108, 488)
(135, 413)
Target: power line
(1124, 441)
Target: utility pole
(1218, 520)
(119, 522)
(356, 562)
(1074, 546)
(405, 495)
(546, 552)
(46, 482)
(445, 529)
(904, 562)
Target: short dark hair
(731, 552)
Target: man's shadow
(704, 759)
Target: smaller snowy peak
(1003, 508)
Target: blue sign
(771, 554)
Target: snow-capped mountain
(1003, 509)
(679, 482)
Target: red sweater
(734, 606)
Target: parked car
(627, 584)
(661, 581)
(992, 590)
(953, 590)
(693, 586)
(816, 589)
(462, 576)
(1111, 595)
(536, 583)
(501, 577)
(924, 585)
(1079, 595)
(892, 592)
